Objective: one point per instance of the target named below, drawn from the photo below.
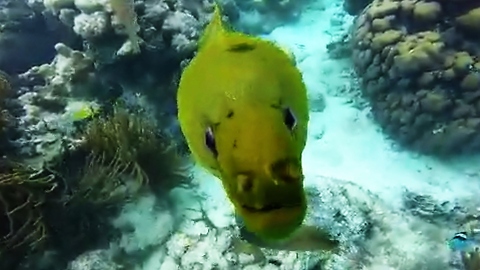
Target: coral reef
(28, 37)
(129, 48)
(127, 145)
(66, 75)
(192, 237)
(419, 68)
(202, 234)
(46, 98)
(93, 260)
(67, 204)
(22, 193)
(114, 29)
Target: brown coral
(386, 38)
(470, 20)
(419, 64)
(427, 11)
(22, 193)
(380, 9)
(128, 151)
(380, 25)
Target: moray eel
(242, 107)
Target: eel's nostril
(286, 171)
(245, 183)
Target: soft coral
(124, 15)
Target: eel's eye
(289, 119)
(210, 141)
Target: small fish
(462, 241)
(85, 112)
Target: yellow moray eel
(242, 107)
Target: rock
(94, 260)
(372, 234)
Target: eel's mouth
(268, 208)
(272, 220)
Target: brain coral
(419, 65)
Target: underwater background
(95, 173)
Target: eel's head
(259, 162)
